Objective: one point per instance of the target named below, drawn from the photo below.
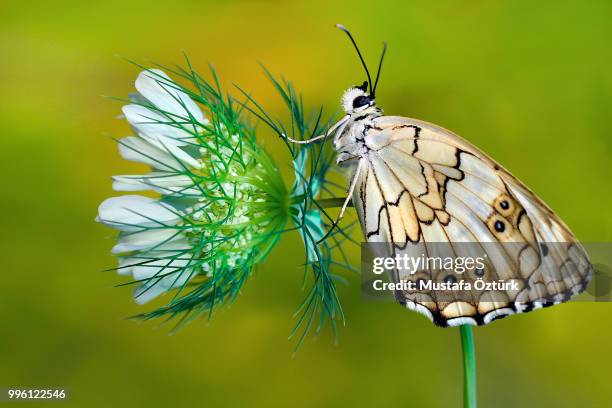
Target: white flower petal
(142, 240)
(135, 212)
(155, 287)
(176, 249)
(146, 293)
(125, 265)
(148, 122)
(160, 267)
(178, 245)
(162, 92)
(171, 146)
(139, 150)
(162, 182)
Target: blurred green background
(529, 82)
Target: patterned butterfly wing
(425, 190)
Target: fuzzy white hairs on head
(349, 96)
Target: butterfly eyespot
(450, 279)
(504, 205)
(479, 272)
(361, 100)
(499, 226)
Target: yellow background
(528, 82)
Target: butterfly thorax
(350, 138)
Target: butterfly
(417, 187)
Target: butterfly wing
(425, 190)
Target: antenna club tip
(340, 26)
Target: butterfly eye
(361, 100)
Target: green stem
(469, 367)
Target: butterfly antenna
(343, 28)
(382, 57)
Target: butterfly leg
(317, 138)
(307, 141)
(349, 195)
(346, 201)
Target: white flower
(153, 245)
(222, 202)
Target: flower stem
(469, 367)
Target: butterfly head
(357, 99)
(361, 99)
